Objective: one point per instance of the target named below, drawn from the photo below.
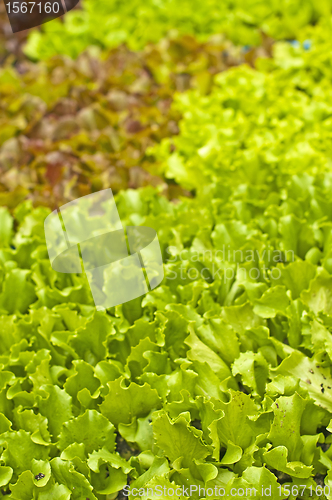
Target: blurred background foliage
(89, 114)
(112, 22)
(72, 126)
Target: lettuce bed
(222, 375)
(72, 127)
(112, 22)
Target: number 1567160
(28, 7)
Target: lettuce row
(112, 23)
(69, 128)
(221, 377)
